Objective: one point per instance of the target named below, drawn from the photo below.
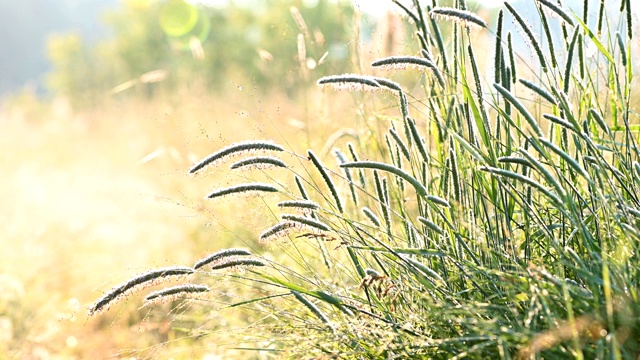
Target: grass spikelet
(233, 262)
(571, 161)
(541, 168)
(242, 188)
(599, 120)
(538, 90)
(479, 92)
(374, 219)
(408, 12)
(518, 105)
(354, 157)
(420, 189)
(347, 173)
(438, 200)
(402, 62)
(327, 179)
(350, 82)
(435, 68)
(389, 84)
(380, 192)
(514, 160)
(467, 18)
(171, 293)
(519, 177)
(435, 277)
(529, 36)
(304, 205)
(585, 11)
(629, 19)
(431, 225)
(314, 224)
(567, 69)
(314, 309)
(259, 162)
(151, 277)
(416, 139)
(557, 10)
(547, 32)
(241, 147)
(276, 231)
(601, 17)
(301, 189)
(497, 56)
(455, 173)
(559, 121)
(398, 140)
(220, 255)
(512, 58)
(623, 51)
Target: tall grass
(494, 225)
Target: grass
(479, 217)
(91, 198)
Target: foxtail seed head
(220, 255)
(236, 148)
(153, 276)
(466, 18)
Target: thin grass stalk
(327, 180)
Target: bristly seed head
(220, 255)
(242, 188)
(259, 162)
(234, 149)
(305, 206)
(276, 231)
(350, 82)
(314, 224)
(557, 10)
(467, 18)
(233, 262)
(151, 277)
(171, 293)
(402, 62)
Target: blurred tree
(216, 46)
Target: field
(464, 208)
(90, 198)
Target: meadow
(92, 197)
(469, 209)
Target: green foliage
(510, 224)
(209, 46)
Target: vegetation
(482, 224)
(160, 46)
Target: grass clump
(519, 234)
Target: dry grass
(91, 198)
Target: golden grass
(91, 198)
